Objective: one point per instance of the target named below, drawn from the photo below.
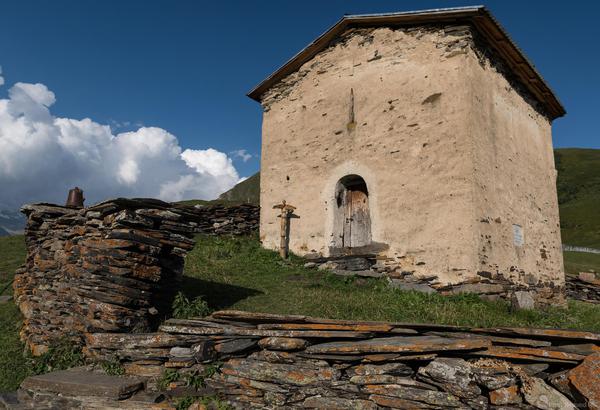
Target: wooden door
(357, 222)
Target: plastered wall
(516, 200)
(431, 129)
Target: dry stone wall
(112, 267)
(294, 361)
(240, 219)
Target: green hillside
(579, 195)
(246, 191)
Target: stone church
(424, 138)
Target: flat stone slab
(494, 339)
(586, 379)
(532, 354)
(81, 382)
(256, 317)
(366, 327)
(279, 373)
(5, 298)
(192, 329)
(8, 400)
(411, 286)
(367, 273)
(409, 344)
(552, 334)
(137, 340)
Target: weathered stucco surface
(451, 154)
(515, 180)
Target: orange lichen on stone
(528, 352)
(586, 379)
(327, 326)
(506, 395)
(409, 344)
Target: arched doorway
(352, 221)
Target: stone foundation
(112, 267)
(489, 285)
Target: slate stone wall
(112, 267)
(255, 360)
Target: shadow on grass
(217, 295)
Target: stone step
(82, 382)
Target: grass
(237, 273)
(12, 255)
(576, 262)
(15, 363)
(578, 187)
(13, 366)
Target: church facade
(424, 138)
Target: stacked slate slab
(584, 287)
(295, 361)
(240, 219)
(111, 267)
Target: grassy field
(578, 186)
(576, 262)
(13, 367)
(12, 255)
(237, 273)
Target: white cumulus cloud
(242, 154)
(42, 156)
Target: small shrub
(113, 367)
(183, 308)
(214, 402)
(183, 403)
(211, 402)
(212, 369)
(60, 356)
(196, 379)
(169, 376)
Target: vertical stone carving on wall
(112, 267)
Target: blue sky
(185, 66)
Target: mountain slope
(11, 222)
(246, 191)
(578, 187)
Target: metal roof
(478, 16)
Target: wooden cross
(286, 213)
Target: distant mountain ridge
(11, 222)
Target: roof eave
(479, 16)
